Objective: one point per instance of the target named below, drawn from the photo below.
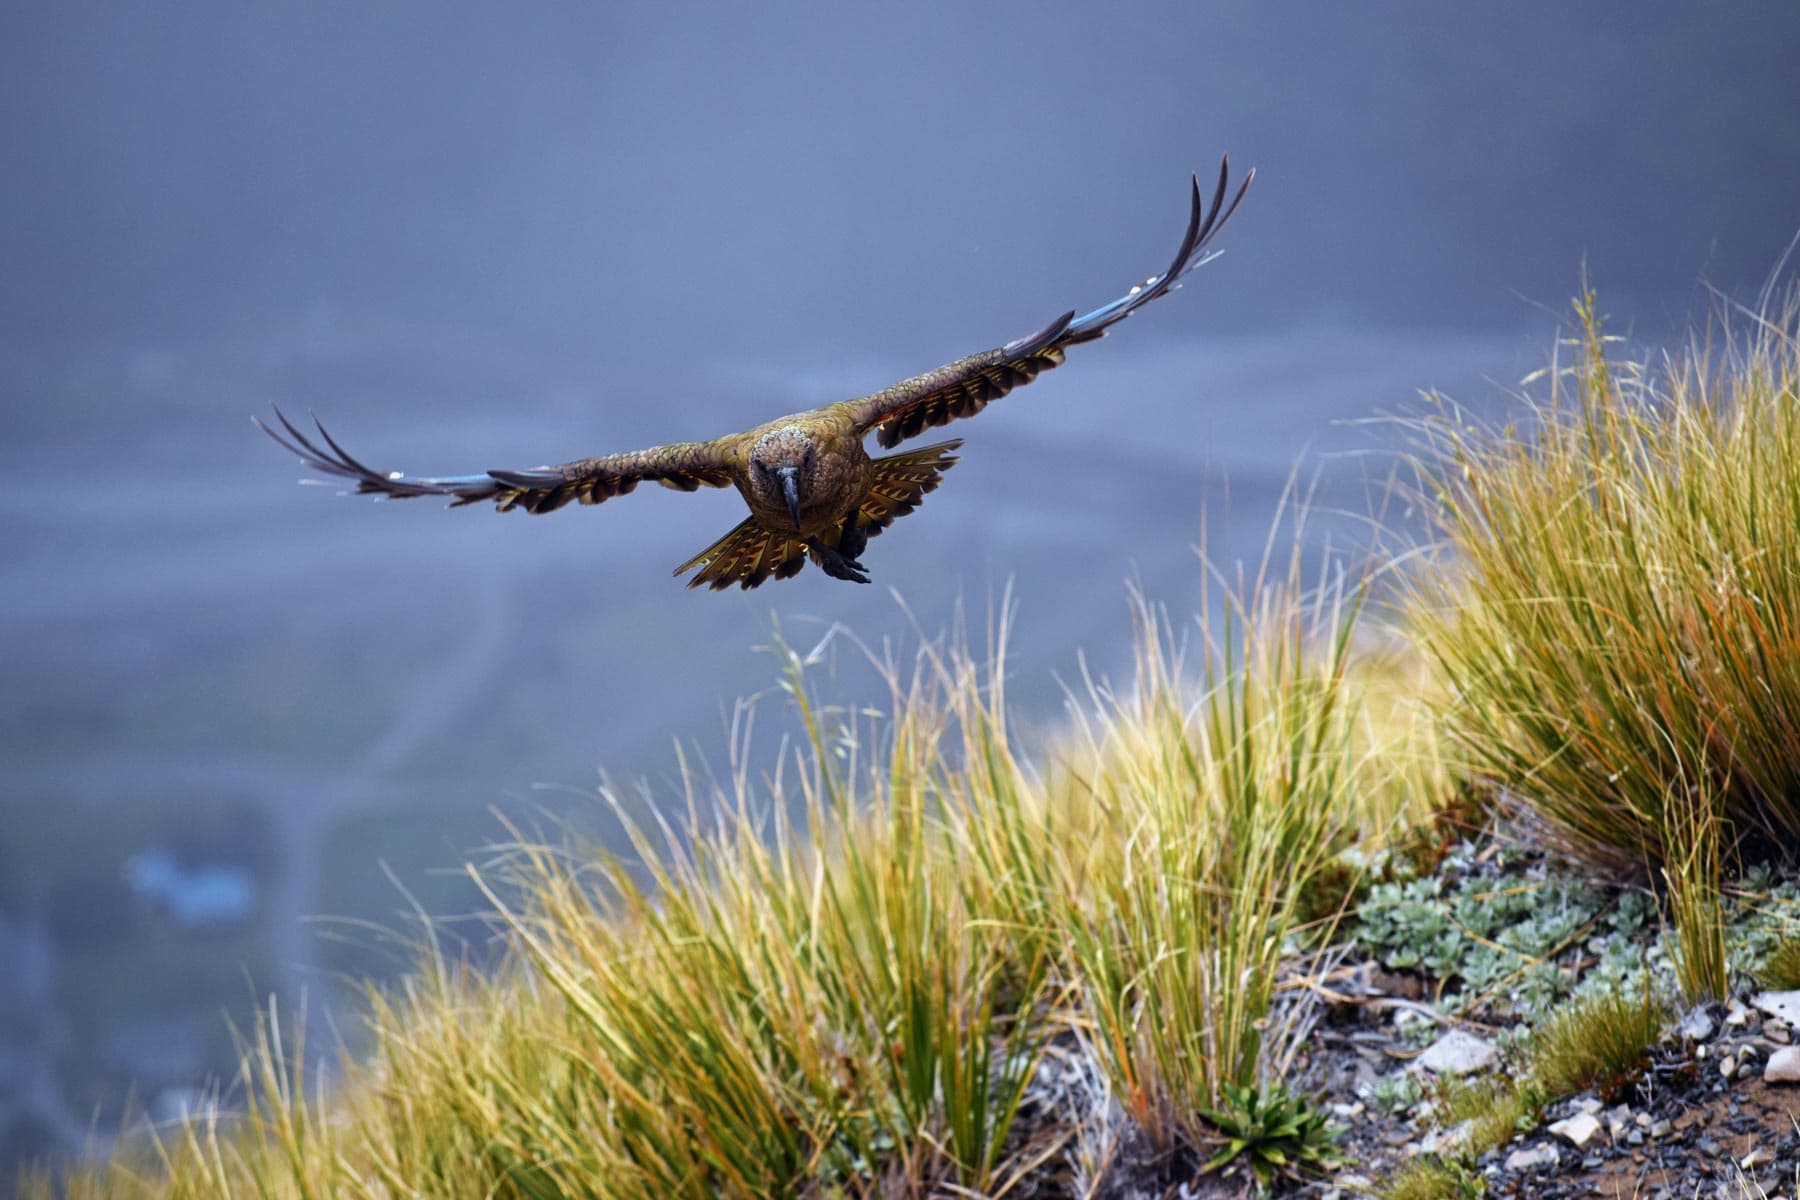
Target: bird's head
(782, 463)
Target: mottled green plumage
(812, 490)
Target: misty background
(495, 236)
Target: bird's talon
(835, 564)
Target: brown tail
(746, 556)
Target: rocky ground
(1441, 975)
(1717, 1112)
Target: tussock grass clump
(1618, 613)
(1599, 1041)
(1432, 1178)
(839, 978)
(1216, 819)
(1495, 1108)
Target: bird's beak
(790, 487)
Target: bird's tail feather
(747, 556)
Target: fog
(479, 236)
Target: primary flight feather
(812, 489)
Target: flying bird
(813, 490)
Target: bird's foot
(853, 540)
(836, 563)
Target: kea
(813, 490)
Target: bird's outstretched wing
(963, 388)
(684, 466)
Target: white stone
(1579, 1129)
(1784, 1006)
(1533, 1159)
(1736, 1014)
(1458, 1053)
(1589, 1104)
(1697, 1025)
(1783, 1066)
(1443, 1140)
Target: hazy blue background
(503, 235)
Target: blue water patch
(205, 895)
